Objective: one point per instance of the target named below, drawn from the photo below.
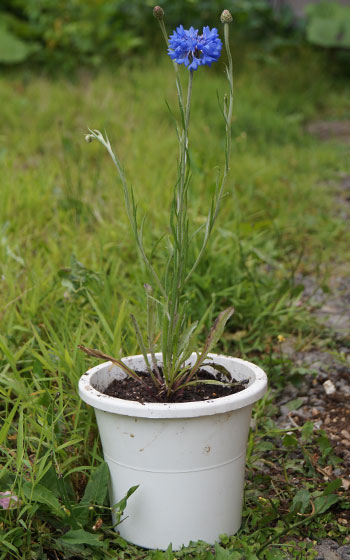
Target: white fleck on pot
(187, 458)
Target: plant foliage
(169, 294)
(67, 33)
(328, 25)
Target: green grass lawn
(70, 273)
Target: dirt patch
(327, 130)
(146, 391)
(329, 412)
(335, 421)
(323, 396)
(334, 313)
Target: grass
(70, 274)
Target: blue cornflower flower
(187, 47)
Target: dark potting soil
(129, 389)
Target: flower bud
(226, 17)
(158, 12)
(89, 138)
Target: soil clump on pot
(129, 389)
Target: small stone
(327, 550)
(329, 387)
(314, 411)
(345, 434)
(327, 420)
(345, 442)
(345, 483)
(344, 551)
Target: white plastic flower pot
(187, 458)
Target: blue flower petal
(187, 47)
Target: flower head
(226, 17)
(8, 500)
(158, 12)
(187, 47)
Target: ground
(70, 275)
(324, 397)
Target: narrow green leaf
(7, 423)
(141, 343)
(151, 327)
(224, 371)
(217, 330)
(117, 333)
(120, 506)
(208, 382)
(213, 338)
(20, 447)
(6, 543)
(186, 344)
(100, 315)
(7, 352)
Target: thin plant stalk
(177, 335)
(176, 69)
(227, 113)
(180, 242)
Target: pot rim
(253, 392)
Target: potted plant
(175, 422)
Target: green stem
(179, 258)
(214, 210)
(230, 81)
(285, 532)
(184, 150)
(130, 207)
(176, 68)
